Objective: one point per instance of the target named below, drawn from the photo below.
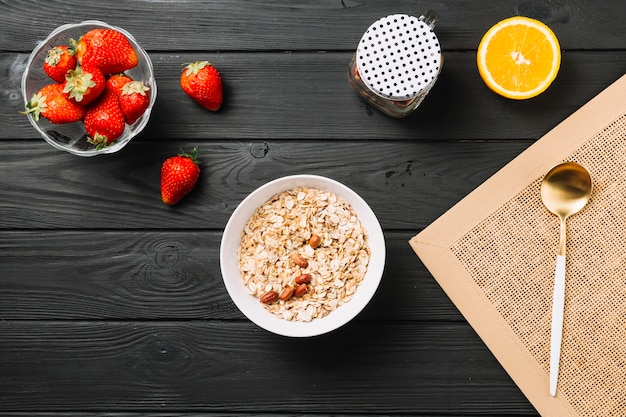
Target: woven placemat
(494, 254)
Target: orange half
(519, 57)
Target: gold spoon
(565, 190)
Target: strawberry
(117, 81)
(202, 82)
(134, 96)
(84, 84)
(59, 60)
(134, 100)
(106, 49)
(179, 175)
(104, 120)
(50, 103)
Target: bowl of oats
(302, 255)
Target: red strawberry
(106, 49)
(179, 175)
(117, 81)
(134, 96)
(134, 100)
(50, 103)
(59, 60)
(84, 84)
(202, 82)
(104, 121)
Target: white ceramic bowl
(250, 305)
(72, 137)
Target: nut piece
(315, 241)
(286, 293)
(303, 279)
(300, 261)
(269, 297)
(300, 290)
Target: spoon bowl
(565, 190)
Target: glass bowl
(72, 137)
(251, 306)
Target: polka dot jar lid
(399, 57)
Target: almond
(315, 241)
(300, 261)
(286, 293)
(269, 297)
(300, 290)
(303, 279)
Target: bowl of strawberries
(89, 88)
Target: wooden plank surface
(68, 194)
(270, 25)
(311, 99)
(112, 303)
(115, 275)
(218, 366)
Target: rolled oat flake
(397, 59)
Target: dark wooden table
(112, 303)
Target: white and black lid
(399, 56)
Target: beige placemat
(494, 255)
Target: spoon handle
(558, 304)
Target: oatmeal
(303, 254)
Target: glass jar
(396, 63)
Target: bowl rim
(139, 50)
(251, 307)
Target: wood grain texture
(121, 191)
(77, 275)
(309, 98)
(216, 366)
(303, 25)
(112, 303)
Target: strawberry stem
(194, 67)
(193, 155)
(78, 83)
(35, 106)
(101, 141)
